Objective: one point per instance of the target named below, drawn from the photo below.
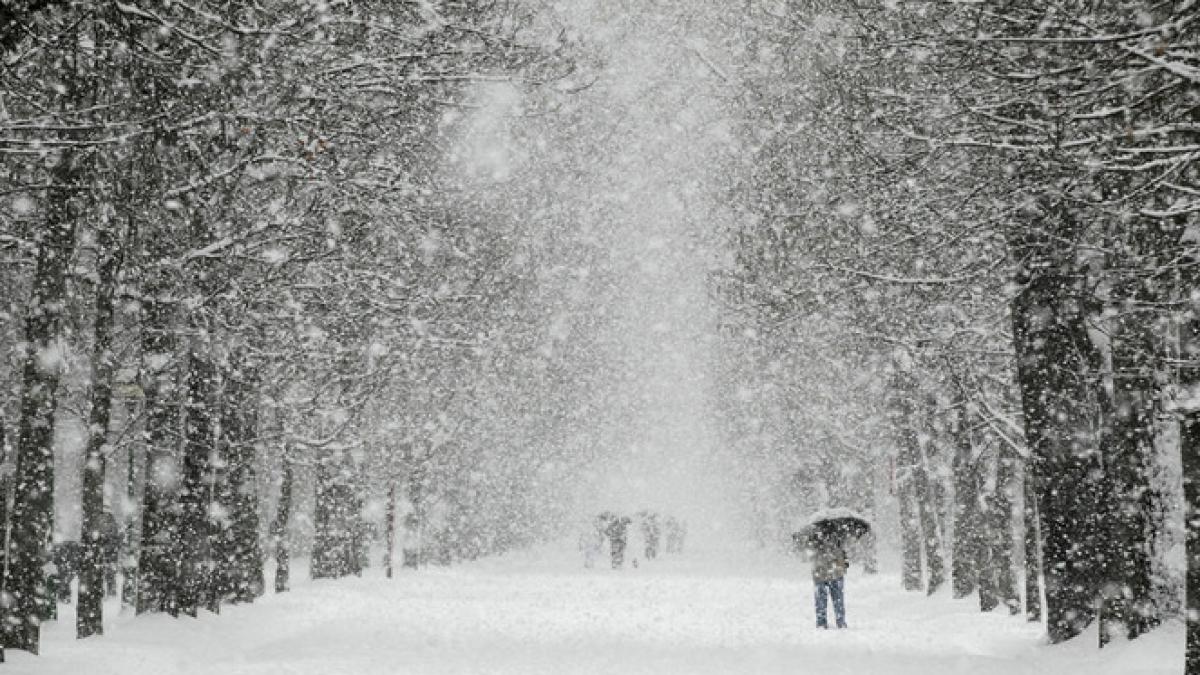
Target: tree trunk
(968, 525)
(33, 490)
(929, 504)
(1055, 359)
(930, 532)
(5, 471)
(280, 525)
(334, 520)
(1189, 446)
(390, 525)
(1033, 550)
(1128, 455)
(194, 542)
(989, 591)
(241, 554)
(870, 544)
(94, 531)
(130, 537)
(157, 560)
(1000, 527)
(902, 412)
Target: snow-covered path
(531, 614)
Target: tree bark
(870, 544)
(1128, 452)
(930, 532)
(13, 15)
(333, 554)
(968, 524)
(1189, 442)
(241, 553)
(5, 483)
(1000, 530)
(902, 411)
(1127, 596)
(997, 582)
(1190, 448)
(1055, 361)
(194, 537)
(390, 524)
(280, 525)
(1033, 550)
(157, 560)
(130, 537)
(929, 504)
(32, 516)
(153, 160)
(94, 531)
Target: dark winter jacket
(828, 561)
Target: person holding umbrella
(825, 538)
(829, 565)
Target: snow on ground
(542, 613)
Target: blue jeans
(832, 589)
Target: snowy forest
(288, 285)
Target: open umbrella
(838, 524)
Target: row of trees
(992, 208)
(234, 254)
(237, 251)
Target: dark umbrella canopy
(832, 525)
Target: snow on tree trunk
(1190, 449)
(94, 532)
(390, 525)
(336, 520)
(157, 560)
(131, 536)
(870, 541)
(1137, 352)
(901, 411)
(968, 521)
(1129, 451)
(1000, 529)
(1056, 361)
(928, 502)
(1189, 446)
(32, 518)
(239, 554)
(997, 569)
(279, 526)
(928, 492)
(6, 463)
(194, 535)
(1033, 548)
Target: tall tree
(969, 527)
(94, 533)
(903, 412)
(192, 539)
(5, 482)
(156, 557)
(279, 526)
(1056, 370)
(33, 489)
(239, 555)
(1189, 418)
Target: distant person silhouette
(829, 565)
(617, 532)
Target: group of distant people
(636, 538)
